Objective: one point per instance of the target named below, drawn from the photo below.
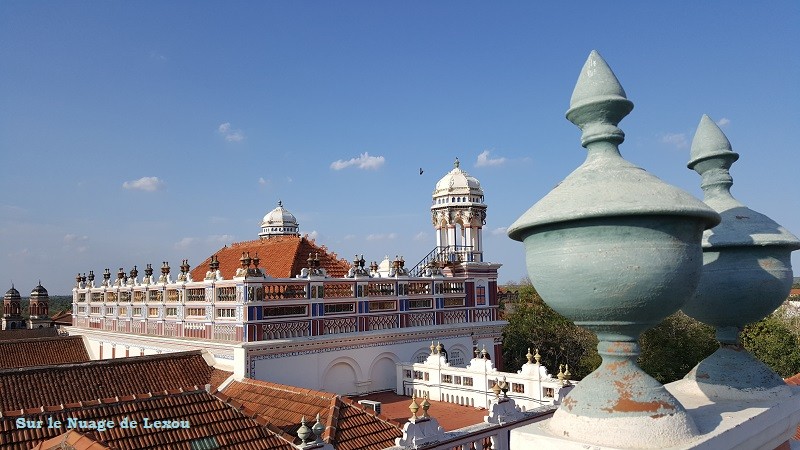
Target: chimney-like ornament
(747, 273)
(635, 241)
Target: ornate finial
(439, 348)
(566, 374)
(318, 429)
(280, 203)
(426, 405)
(496, 388)
(712, 157)
(529, 356)
(477, 352)
(537, 356)
(598, 102)
(256, 261)
(456, 164)
(91, 275)
(414, 407)
(561, 374)
(304, 433)
(484, 352)
(433, 348)
(504, 387)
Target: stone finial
(456, 163)
(304, 433)
(439, 348)
(537, 356)
(433, 348)
(529, 356)
(484, 353)
(318, 429)
(496, 388)
(567, 375)
(560, 375)
(426, 405)
(414, 407)
(598, 102)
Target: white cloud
(262, 181)
(229, 133)
(485, 161)
(364, 161)
(149, 184)
(381, 236)
(70, 238)
(499, 230)
(349, 237)
(157, 56)
(217, 239)
(724, 121)
(313, 235)
(421, 236)
(184, 243)
(289, 179)
(677, 140)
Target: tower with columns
(458, 214)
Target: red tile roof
(42, 351)
(25, 333)
(281, 257)
(71, 440)
(347, 425)
(208, 419)
(450, 415)
(68, 383)
(63, 317)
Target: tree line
(668, 351)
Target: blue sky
(142, 132)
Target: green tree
(672, 348)
(774, 340)
(532, 324)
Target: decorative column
(747, 273)
(616, 250)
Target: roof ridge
(288, 388)
(40, 339)
(103, 362)
(187, 390)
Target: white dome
(279, 222)
(458, 182)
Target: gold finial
(537, 356)
(439, 348)
(566, 374)
(426, 405)
(433, 347)
(561, 374)
(496, 388)
(529, 356)
(484, 352)
(414, 407)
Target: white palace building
(284, 309)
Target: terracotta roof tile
(208, 417)
(348, 427)
(42, 351)
(24, 333)
(71, 440)
(85, 382)
(450, 416)
(281, 257)
(63, 317)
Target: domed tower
(38, 310)
(12, 310)
(458, 214)
(279, 222)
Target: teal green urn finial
(616, 250)
(746, 274)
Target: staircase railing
(445, 254)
